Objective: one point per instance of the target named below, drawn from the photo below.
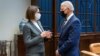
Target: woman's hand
(46, 34)
(43, 34)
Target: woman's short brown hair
(30, 13)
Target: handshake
(46, 34)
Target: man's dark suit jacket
(68, 44)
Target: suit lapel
(39, 23)
(34, 28)
(67, 25)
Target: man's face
(64, 9)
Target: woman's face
(38, 11)
(37, 15)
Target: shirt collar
(69, 16)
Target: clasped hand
(46, 34)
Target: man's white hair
(68, 4)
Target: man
(68, 44)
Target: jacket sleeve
(30, 40)
(73, 38)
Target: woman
(34, 33)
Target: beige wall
(11, 13)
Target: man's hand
(57, 53)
